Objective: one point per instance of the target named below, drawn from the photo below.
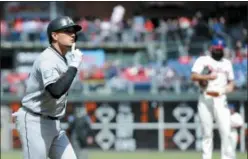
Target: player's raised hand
(76, 51)
(73, 47)
(74, 58)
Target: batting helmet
(60, 24)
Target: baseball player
(236, 122)
(45, 100)
(212, 104)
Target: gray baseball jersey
(47, 68)
(43, 137)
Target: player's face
(66, 37)
(217, 54)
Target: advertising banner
(128, 126)
(93, 58)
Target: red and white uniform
(236, 121)
(215, 108)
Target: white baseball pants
(42, 138)
(215, 108)
(234, 140)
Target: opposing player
(46, 95)
(212, 104)
(236, 122)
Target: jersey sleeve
(198, 65)
(230, 74)
(49, 72)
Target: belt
(213, 94)
(39, 114)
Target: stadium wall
(129, 122)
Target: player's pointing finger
(73, 47)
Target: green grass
(134, 155)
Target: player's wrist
(222, 91)
(75, 62)
(205, 77)
(73, 67)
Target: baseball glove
(205, 71)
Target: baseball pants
(215, 108)
(234, 140)
(42, 138)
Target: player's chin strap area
(39, 114)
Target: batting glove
(74, 58)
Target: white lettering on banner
(124, 129)
(183, 113)
(123, 139)
(125, 144)
(105, 113)
(183, 138)
(124, 108)
(124, 125)
(105, 139)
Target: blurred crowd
(172, 76)
(136, 29)
(155, 75)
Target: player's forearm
(62, 85)
(230, 87)
(198, 77)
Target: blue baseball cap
(218, 44)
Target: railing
(154, 92)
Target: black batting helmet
(60, 24)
